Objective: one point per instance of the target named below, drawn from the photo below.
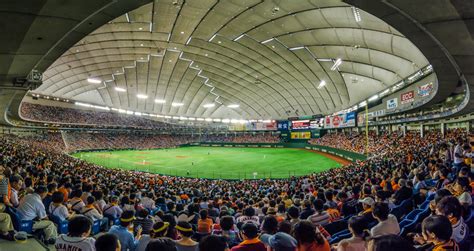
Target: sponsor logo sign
(407, 97)
(392, 103)
(425, 90)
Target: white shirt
(148, 203)
(458, 150)
(114, 211)
(76, 204)
(459, 231)
(31, 207)
(67, 243)
(14, 197)
(59, 211)
(389, 226)
(92, 213)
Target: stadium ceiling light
(200, 119)
(226, 121)
(119, 89)
(192, 119)
(209, 105)
(208, 119)
(324, 59)
(239, 37)
(160, 101)
(363, 103)
(183, 118)
(188, 41)
(336, 64)
(356, 13)
(176, 104)
(296, 48)
(174, 117)
(233, 106)
(385, 92)
(94, 80)
(373, 98)
(82, 104)
(213, 36)
(217, 120)
(142, 96)
(267, 121)
(167, 117)
(129, 112)
(266, 41)
(138, 113)
(122, 111)
(322, 84)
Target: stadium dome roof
(272, 59)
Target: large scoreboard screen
(300, 124)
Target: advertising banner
(392, 103)
(300, 135)
(283, 125)
(425, 90)
(340, 120)
(407, 97)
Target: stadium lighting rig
(94, 80)
(119, 89)
(356, 13)
(336, 64)
(322, 84)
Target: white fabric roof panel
(202, 51)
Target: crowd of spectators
(122, 140)
(63, 115)
(357, 142)
(155, 212)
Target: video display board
(340, 120)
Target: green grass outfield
(216, 162)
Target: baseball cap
(368, 201)
(279, 241)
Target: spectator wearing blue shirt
(126, 238)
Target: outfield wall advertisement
(340, 120)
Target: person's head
(203, 214)
(450, 207)
(356, 225)
(79, 226)
(462, 185)
(16, 182)
(159, 229)
(114, 200)
(77, 193)
(319, 205)
(389, 243)
(270, 224)
(42, 191)
(380, 211)
(306, 232)
(213, 243)
(249, 231)
(402, 182)
(52, 187)
(249, 211)
(226, 223)
(127, 218)
(293, 212)
(90, 200)
(437, 227)
(57, 197)
(185, 230)
(284, 226)
(107, 242)
(367, 203)
(162, 244)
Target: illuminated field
(216, 162)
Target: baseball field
(216, 162)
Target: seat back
(95, 227)
(61, 224)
